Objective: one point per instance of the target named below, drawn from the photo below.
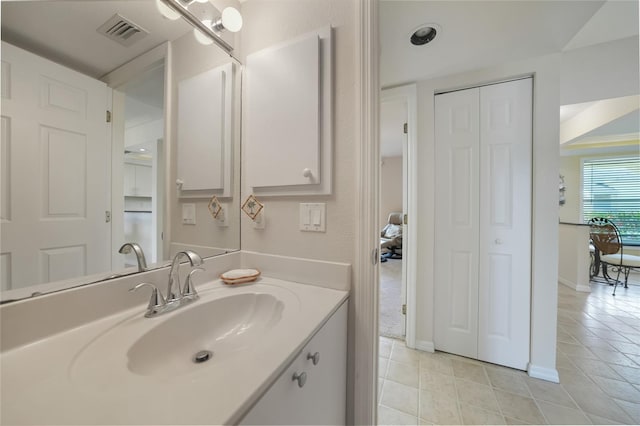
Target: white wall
(546, 71)
(189, 58)
(390, 188)
(267, 23)
(570, 169)
(602, 71)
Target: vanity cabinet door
(322, 397)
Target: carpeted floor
(390, 318)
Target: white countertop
(80, 376)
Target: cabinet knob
(315, 358)
(301, 378)
(306, 172)
(499, 241)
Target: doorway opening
(393, 141)
(138, 156)
(398, 172)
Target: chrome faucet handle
(189, 290)
(157, 301)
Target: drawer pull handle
(315, 358)
(301, 378)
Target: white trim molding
(364, 374)
(425, 345)
(543, 373)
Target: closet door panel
(505, 223)
(456, 244)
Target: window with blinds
(611, 189)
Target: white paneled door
(55, 171)
(483, 222)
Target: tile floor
(598, 360)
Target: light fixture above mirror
(208, 29)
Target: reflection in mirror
(79, 186)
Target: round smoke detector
(424, 34)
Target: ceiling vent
(122, 30)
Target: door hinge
(108, 116)
(404, 309)
(107, 216)
(405, 219)
(375, 256)
(405, 128)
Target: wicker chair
(605, 237)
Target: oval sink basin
(221, 328)
(208, 331)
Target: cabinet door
(322, 398)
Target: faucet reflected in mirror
(158, 304)
(135, 247)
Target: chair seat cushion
(627, 260)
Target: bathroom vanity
(267, 352)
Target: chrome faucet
(174, 274)
(126, 249)
(158, 303)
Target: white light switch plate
(313, 217)
(188, 214)
(221, 220)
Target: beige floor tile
(436, 362)
(389, 416)
(469, 371)
(572, 350)
(631, 408)
(594, 366)
(597, 420)
(478, 395)
(630, 374)
(507, 381)
(512, 421)
(618, 389)
(384, 347)
(519, 407)
(627, 347)
(593, 400)
(559, 415)
(406, 374)
(400, 397)
(380, 382)
(565, 337)
(401, 353)
(383, 364)
(477, 416)
(550, 392)
(613, 357)
(573, 377)
(439, 410)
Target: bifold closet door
(483, 222)
(457, 222)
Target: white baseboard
(577, 287)
(426, 346)
(543, 373)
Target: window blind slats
(611, 189)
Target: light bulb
(200, 36)
(232, 19)
(166, 11)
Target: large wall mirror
(93, 130)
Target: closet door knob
(306, 172)
(498, 241)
